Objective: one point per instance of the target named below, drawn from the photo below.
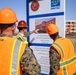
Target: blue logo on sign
(55, 4)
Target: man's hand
(36, 31)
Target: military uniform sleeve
(54, 61)
(29, 63)
(27, 34)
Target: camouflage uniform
(29, 63)
(54, 61)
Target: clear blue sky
(70, 9)
(19, 6)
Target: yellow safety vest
(67, 49)
(11, 50)
(19, 36)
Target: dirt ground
(71, 35)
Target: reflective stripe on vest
(74, 44)
(63, 62)
(15, 57)
(62, 51)
(22, 38)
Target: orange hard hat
(7, 16)
(52, 29)
(22, 23)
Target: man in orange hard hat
(14, 58)
(62, 53)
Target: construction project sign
(41, 13)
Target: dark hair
(6, 25)
(20, 28)
(53, 36)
